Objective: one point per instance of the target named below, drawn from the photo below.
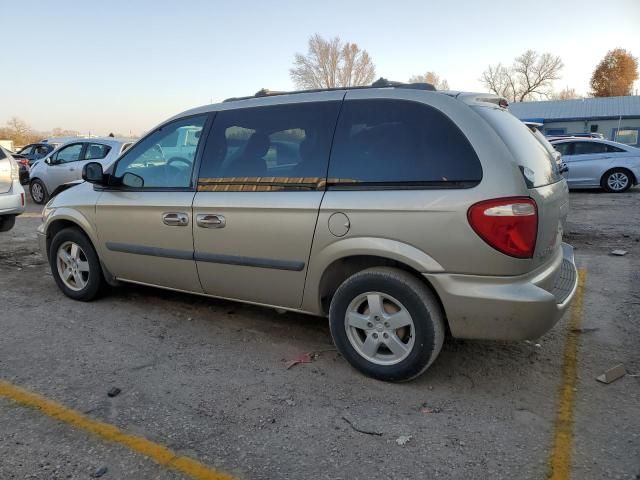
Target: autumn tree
(615, 74)
(332, 63)
(530, 76)
(565, 94)
(433, 78)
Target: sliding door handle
(210, 221)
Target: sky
(125, 66)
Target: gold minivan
(399, 212)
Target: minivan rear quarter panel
(431, 220)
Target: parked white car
(65, 163)
(11, 192)
(599, 163)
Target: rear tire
(387, 324)
(75, 265)
(38, 191)
(7, 222)
(617, 180)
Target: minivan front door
(259, 191)
(145, 233)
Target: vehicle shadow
(462, 364)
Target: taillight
(15, 171)
(510, 225)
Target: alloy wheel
(617, 181)
(380, 328)
(73, 266)
(37, 192)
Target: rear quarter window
(535, 160)
(400, 143)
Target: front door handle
(175, 219)
(210, 221)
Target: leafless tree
(19, 131)
(63, 132)
(565, 94)
(433, 78)
(332, 63)
(531, 76)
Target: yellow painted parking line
(560, 458)
(30, 215)
(160, 454)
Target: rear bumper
(12, 202)
(508, 308)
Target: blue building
(617, 118)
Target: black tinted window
(563, 148)
(391, 141)
(584, 148)
(96, 151)
(279, 143)
(611, 148)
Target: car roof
(106, 140)
(590, 140)
(282, 98)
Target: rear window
(535, 160)
(401, 143)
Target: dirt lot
(209, 380)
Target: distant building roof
(581, 109)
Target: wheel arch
(62, 220)
(338, 261)
(73, 219)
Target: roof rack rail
(380, 83)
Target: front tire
(75, 265)
(387, 324)
(38, 191)
(617, 180)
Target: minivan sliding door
(259, 191)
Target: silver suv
(399, 212)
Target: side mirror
(47, 161)
(92, 173)
(132, 180)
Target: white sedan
(65, 163)
(599, 163)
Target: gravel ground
(209, 379)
